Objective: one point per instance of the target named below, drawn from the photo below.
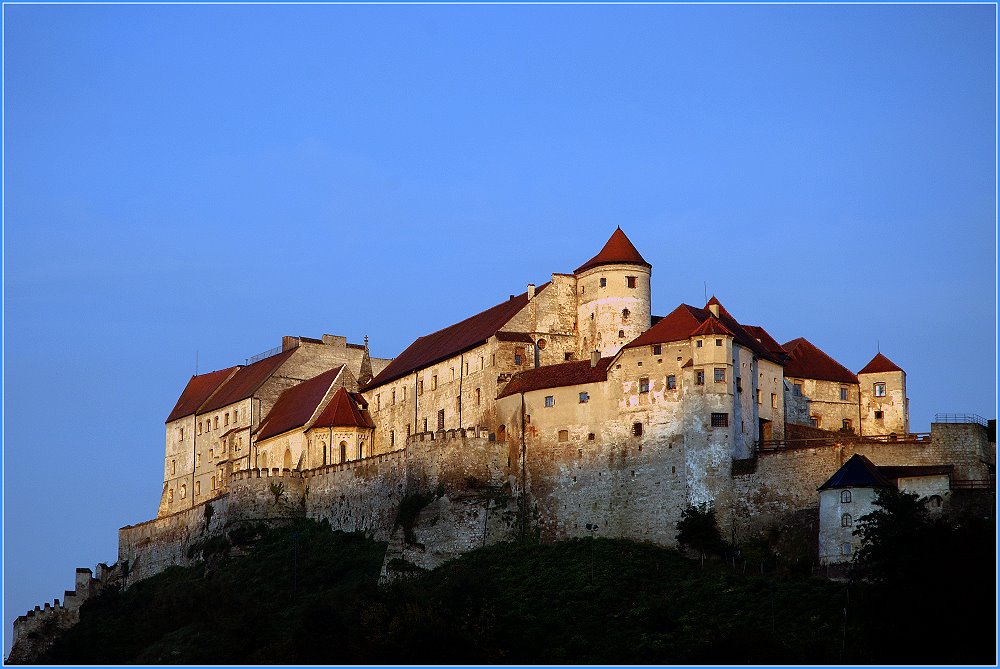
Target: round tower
(613, 300)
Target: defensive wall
(35, 631)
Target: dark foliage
(306, 595)
(698, 529)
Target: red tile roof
(515, 336)
(762, 335)
(685, 321)
(296, 405)
(345, 410)
(197, 390)
(246, 381)
(807, 361)
(880, 364)
(453, 339)
(712, 326)
(617, 250)
(557, 376)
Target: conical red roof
(880, 364)
(618, 250)
(344, 411)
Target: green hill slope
(304, 594)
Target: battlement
(274, 472)
(447, 435)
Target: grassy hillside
(304, 594)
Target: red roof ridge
(199, 389)
(617, 250)
(453, 339)
(343, 411)
(245, 382)
(563, 374)
(297, 405)
(712, 325)
(880, 364)
(808, 361)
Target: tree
(699, 530)
(895, 537)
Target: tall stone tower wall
(614, 314)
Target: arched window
(184, 490)
(343, 451)
(361, 449)
(170, 496)
(934, 502)
(263, 461)
(287, 460)
(197, 487)
(845, 496)
(322, 446)
(846, 520)
(213, 483)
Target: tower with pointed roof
(885, 409)
(613, 297)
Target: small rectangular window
(657, 349)
(843, 394)
(425, 424)
(797, 389)
(879, 390)
(846, 425)
(698, 343)
(550, 401)
(518, 355)
(393, 395)
(630, 281)
(845, 549)
(180, 435)
(440, 419)
(718, 342)
(567, 356)
(879, 415)
(563, 435)
(720, 420)
(434, 382)
(774, 400)
(720, 375)
(226, 419)
(739, 384)
(604, 282)
(636, 429)
(584, 398)
(699, 377)
(478, 397)
(392, 438)
(644, 385)
(671, 382)
(378, 402)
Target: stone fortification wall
(462, 481)
(35, 631)
(357, 495)
(265, 494)
(154, 545)
(787, 480)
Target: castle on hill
(566, 410)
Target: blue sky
(188, 181)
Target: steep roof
(686, 321)
(617, 250)
(296, 405)
(807, 361)
(766, 340)
(452, 340)
(345, 410)
(880, 364)
(556, 376)
(245, 382)
(712, 325)
(858, 472)
(197, 390)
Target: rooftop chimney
(714, 308)
(595, 357)
(531, 290)
(289, 342)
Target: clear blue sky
(185, 179)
